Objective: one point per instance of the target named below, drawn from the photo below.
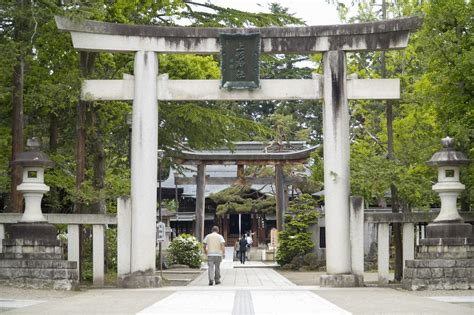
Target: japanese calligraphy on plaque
(240, 54)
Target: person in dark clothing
(242, 249)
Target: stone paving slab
(284, 300)
(243, 302)
(246, 277)
(244, 291)
(193, 302)
(293, 302)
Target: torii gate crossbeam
(145, 89)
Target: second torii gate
(145, 88)
(278, 159)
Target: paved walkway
(247, 291)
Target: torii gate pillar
(144, 162)
(336, 163)
(144, 172)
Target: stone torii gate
(145, 88)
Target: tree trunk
(397, 230)
(21, 26)
(99, 163)
(53, 195)
(87, 61)
(396, 227)
(397, 236)
(16, 199)
(81, 110)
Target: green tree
(295, 240)
(242, 199)
(446, 86)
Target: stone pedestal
(341, 281)
(33, 258)
(32, 231)
(444, 260)
(140, 280)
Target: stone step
(448, 241)
(445, 255)
(257, 254)
(445, 252)
(38, 264)
(30, 283)
(30, 242)
(437, 284)
(439, 263)
(32, 249)
(38, 273)
(32, 256)
(437, 273)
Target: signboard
(240, 55)
(160, 231)
(273, 238)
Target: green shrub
(308, 262)
(311, 261)
(295, 240)
(185, 250)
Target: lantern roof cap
(448, 156)
(33, 157)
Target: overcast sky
(313, 12)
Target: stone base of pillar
(444, 260)
(342, 281)
(139, 280)
(32, 257)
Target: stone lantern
(33, 225)
(445, 258)
(32, 256)
(34, 162)
(448, 187)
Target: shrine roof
(248, 153)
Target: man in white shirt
(249, 243)
(214, 248)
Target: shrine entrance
(239, 223)
(145, 88)
(233, 225)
